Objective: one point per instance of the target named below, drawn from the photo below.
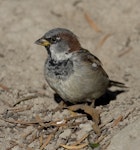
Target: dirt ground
(109, 29)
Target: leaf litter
(44, 132)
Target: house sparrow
(73, 72)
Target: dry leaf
(87, 109)
(96, 129)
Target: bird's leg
(60, 106)
(92, 103)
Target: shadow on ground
(103, 100)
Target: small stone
(65, 134)
(86, 127)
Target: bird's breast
(58, 69)
(75, 82)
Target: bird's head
(60, 43)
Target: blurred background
(106, 28)
(109, 29)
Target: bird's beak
(42, 42)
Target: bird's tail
(116, 83)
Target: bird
(72, 71)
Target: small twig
(34, 137)
(128, 41)
(51, 135)
(106, 145)
(20, 122)
(46, 142)
(125, 52)
(52, 123)
(14, 143)
(67, 139)
(56, 14)
(128, 113)
(38, 119)
(102, 41)
(116, 122)
(41, 140)
(26, 98)
(59, 107)
(11, 147)
(75, 117)
(27, 134)
(92, 23)
(104, 124)
(35, 95)
(20, 109)
(57, 124)
(80, 140)
(70, 147)
(101, 138)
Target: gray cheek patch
(62, 47)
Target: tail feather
(116, 83)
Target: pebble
(65, 134)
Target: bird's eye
(54, 39)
